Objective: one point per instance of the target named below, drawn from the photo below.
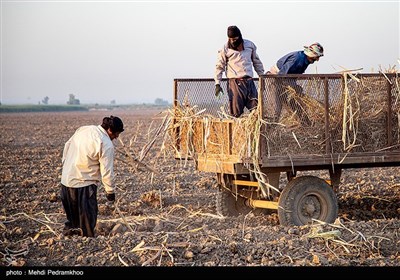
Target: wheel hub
(311, 207)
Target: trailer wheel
(230, 204)
(306, 198)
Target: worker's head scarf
(234, 32)
(115, 124)
(314, 50)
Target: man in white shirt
(237, 59)
(88, 162)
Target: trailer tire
(306, 198)
(230, 204)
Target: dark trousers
(242, 94)
(80, 205)
(280, 95)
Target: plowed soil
(168, 217)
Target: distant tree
(160, 101)
(113, 102)
(72, 100)
(45, 100)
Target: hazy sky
(130, 51)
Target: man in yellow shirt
(88, 162)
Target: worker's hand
(218, 90)
(110, 196)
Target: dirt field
(169, 218)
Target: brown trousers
(242, 94)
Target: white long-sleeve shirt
(238, 64)
(88, 158)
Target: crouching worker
(88, 161)
(293, 63)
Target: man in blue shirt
(293, 63)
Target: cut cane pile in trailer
(357, 122)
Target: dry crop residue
(165, 210)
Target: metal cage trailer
(328, 122)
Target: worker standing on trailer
(237, 59)
(88, 160)
(292, 63)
